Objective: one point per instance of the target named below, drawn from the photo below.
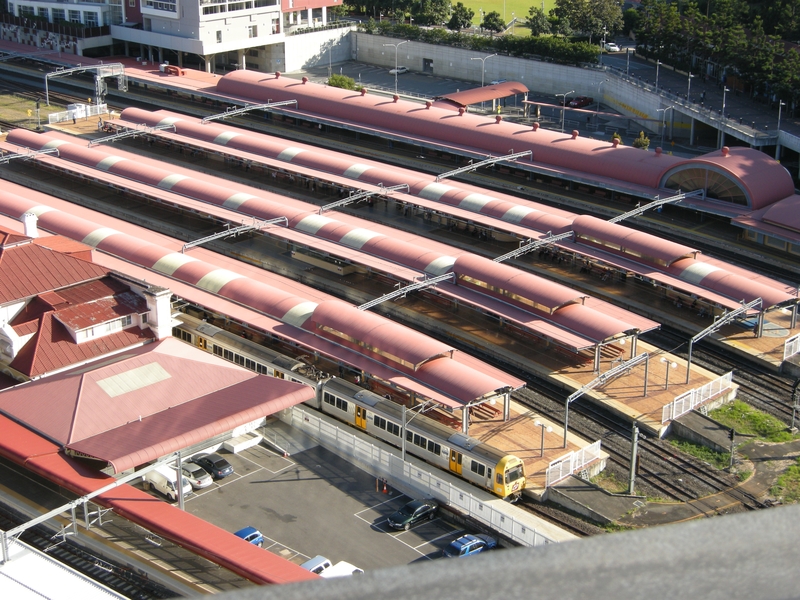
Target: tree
(537, 22)
(590, 16)
(642, 141)
(493, 22)
(344, 82)
(562, 27)
(461, 18)
(433, 12)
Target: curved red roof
(499, 276)
(785, 213)
(375, 335)
(639, 244)
(473, 131)
(763, 178)
(459, 380)
(590, 323)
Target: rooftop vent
(277, 74)
(305, 79)
(395, 97)
(498, 118)
(461, 111)
(428, 104)
(536, 127)
(659, 151)
(725, 151)
(575, 134)
(615, 142)
(363, 91)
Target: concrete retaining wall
(542, 77)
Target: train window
(388, 426)
(489, 473)
(434, 448)
(181, 334)
(334, 401)
(217, 350)
(250, 364)
(478, 468)
(499, 479)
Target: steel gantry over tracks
(130, 133)
(484, 163)
(232, 112)
(7, 158)
(382, 191)
(101, 72)
(654, 204)
(255, 225)
(418, 285)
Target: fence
(84, 111)
(693, 398)
(791, 346)
(382, 463)
(565, 466)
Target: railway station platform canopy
(463, 381)
(140, 405)
(545, 219)
(486, 93)
(574, 327)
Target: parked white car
(398, 71)
(612, 47)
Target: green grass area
(610, 483)
(787, 488)
(519, 8)
(720, 460)
(749, 421)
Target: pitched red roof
(30, 269)
(87, 401)
(52, 347)
(193, 422)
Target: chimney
(29, 221)
(160, 317)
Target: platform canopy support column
(794, 316)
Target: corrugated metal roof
(487, 92)
(30, 269)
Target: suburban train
(437, 444)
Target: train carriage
(427, 439)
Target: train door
(361, 418)
(455, 461)
(202, 343)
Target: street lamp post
(725, 91)
(781, 104)
(599, 85)
(564, 106)
(603, 49)
(512, 23)
(669, 365)
(658, 64)
(663, 122)
(628, 61)
(689, 89)
(545, 427)
(396, 46)
(483, 66)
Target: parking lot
(314, 502)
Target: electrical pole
(732, 435)
(634, 452)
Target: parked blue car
(252, 535)
(469, 544)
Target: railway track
(664, 478)
(119, 578)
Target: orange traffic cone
(384, 487)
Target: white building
(210, 34)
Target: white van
(317, 564)
(341, 569)
(164, 479)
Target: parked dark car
(580, 102)
(414, 511)
(217, 466)
(252, 535)
(469, 544)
